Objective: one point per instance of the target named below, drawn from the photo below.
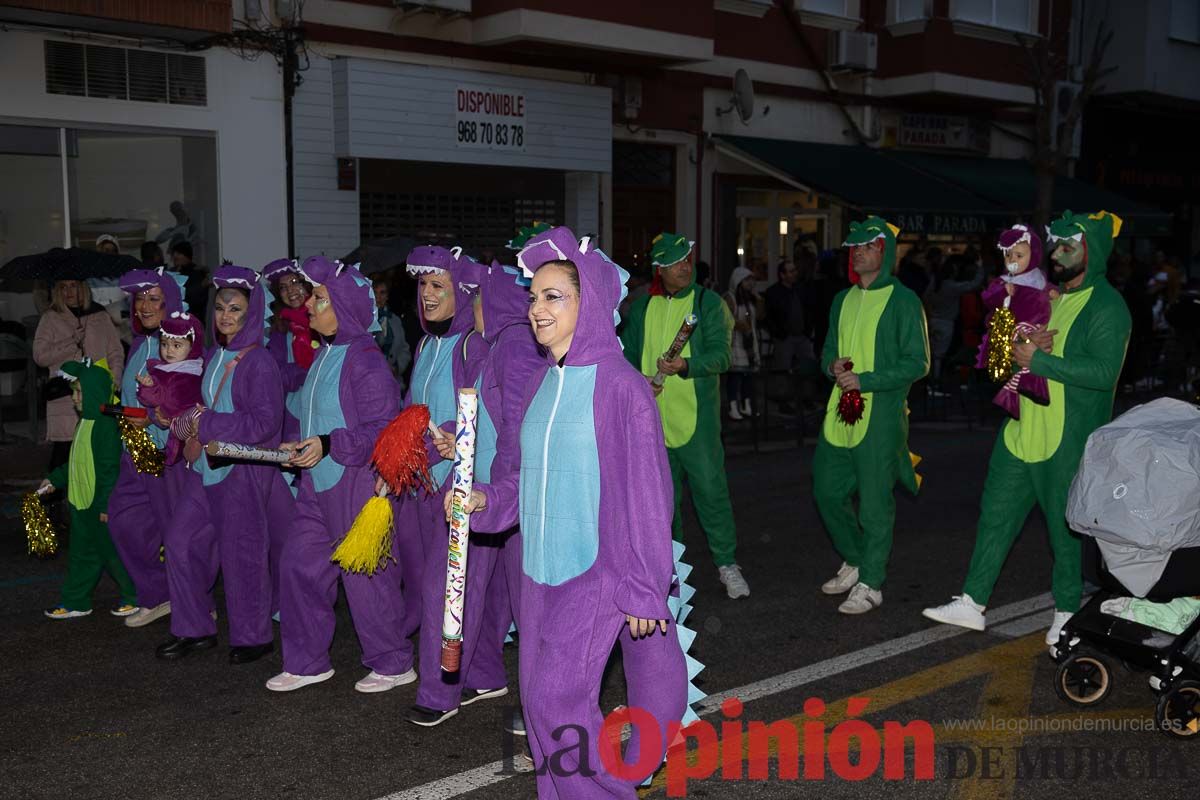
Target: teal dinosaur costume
(89, 476)
(881, 329)
(1035, 457)
(690, 402)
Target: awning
(927, 193)
(1011, 183)
(866, 179)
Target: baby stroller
(1136, 503)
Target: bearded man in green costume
(689, 400)
(877, 344)
(1080, 353)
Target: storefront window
(141, 187)
(31, 194)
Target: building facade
(146, 121)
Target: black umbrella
(61, 264)
(381, 254)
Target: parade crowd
(586, 440)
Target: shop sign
(943, 132)
(489, 118)
(934, 224)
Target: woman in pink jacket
(71, 329)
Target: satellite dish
(743, 97)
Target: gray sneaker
(735, 584)
(145, 616)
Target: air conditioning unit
(853, 51)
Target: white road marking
(488, 774)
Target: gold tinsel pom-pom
(146, 456)
(40, 534)
(1000, 344)
(368, 544)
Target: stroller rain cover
(1137, 490)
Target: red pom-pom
(850, 406)
(851, 403)
(399, 454)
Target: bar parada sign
(932, 223)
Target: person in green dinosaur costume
(689, 400)
(1080, 352)
(877, 344)
(89, 476)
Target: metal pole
(289, 91)
(66, 186)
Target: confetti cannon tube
(132, 412)
(241, 452)
(460, 528)
(677, 345)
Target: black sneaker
(429, 718)
(474, 695)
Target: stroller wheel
(1178, 711)
(1083, 680)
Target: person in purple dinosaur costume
(290, 341)
(449, 358)
(171, 385)
(138, 508)
(502, 318)
(243, 404)
(347, 399)
(1024, 290)
(593, 496)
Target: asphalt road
(88, 712)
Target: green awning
(1011, 183)
(928, 193)
(866, 179)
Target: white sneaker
(861, 600)
(287, 682)
(961, 611)
(1060, 619)
(144, 616)
(735, 584)
(374, 682)
(747, 411)
(734, 414)
(846, 577)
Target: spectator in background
(916, 266)
(786, 319)
(743, 302)
(73, 328)
(830, 278)
(390, 337)
(195, 291)
(952, 278)
(705, 277)
(152, 255)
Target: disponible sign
(942, 132)
(489, 118)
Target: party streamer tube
(460, 527)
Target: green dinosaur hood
(95, 383)
(867, 231)
(1097, 232)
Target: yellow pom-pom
(145, 454)
(368, 543)
(1000, 344)
(41, 537)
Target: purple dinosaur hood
(182, 325)
(280, 267)
(1021, 233)
(505, 302)
(464, 277)
(259, 311)
(139, 280)
(601, 288)
(351, 295)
